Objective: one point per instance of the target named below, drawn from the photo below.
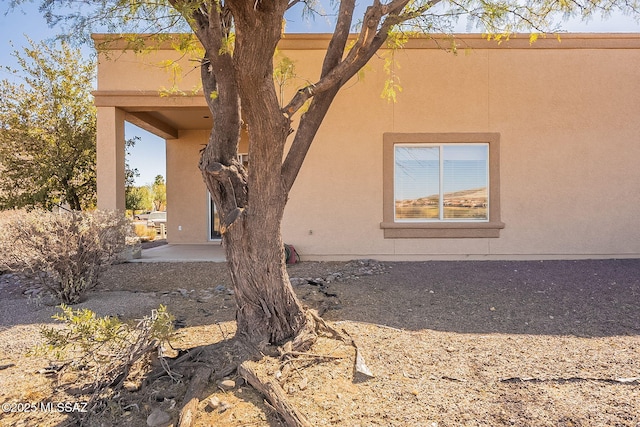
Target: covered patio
(183, 253)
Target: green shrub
(65, 251)
(103, 350)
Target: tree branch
(275, 395)
(338, 42)
(293, 3)
(370, 39)
(337, 71)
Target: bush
(144, 232)
(103, 351)
(67, 251)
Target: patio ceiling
(166, 123)
(163, 116)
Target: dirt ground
(553, 343)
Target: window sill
(442, 230)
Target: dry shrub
(104, 351)
(144, 232)
(65, 251)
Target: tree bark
(268, 310)
(250, 202)
(276, 396)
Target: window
(443, 182)
(441, 185)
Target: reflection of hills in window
(463, 204)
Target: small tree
(132, 199)
(159, 192)
(48, 130)
(139, 198)
(67, 252)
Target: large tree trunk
(250, 203)
(238, 77)
(268, 311)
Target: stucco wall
(152, 70)
(570, 145)
(567, 113)
(187, 203)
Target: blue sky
(148, 156)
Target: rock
(213, 402)
(165, 394)
(180, 323)
(297, 281)
(227, 384)
(204, 296)
(303, 383)
(168, 352)
(225, 405)
(158, 418)
(131, 386)
(31, 291)
(333, 277)
(220, 288)
(183, 292)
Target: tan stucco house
(501, 151)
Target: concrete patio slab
(183, 253)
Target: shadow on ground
(582, 298)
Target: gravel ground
(553, 343)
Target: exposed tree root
(292, 350)
(242, 363)
(315, 326)
(276, 396)
(191, 399)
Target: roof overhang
(161, 115)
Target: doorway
(214, 218)
(214, 221)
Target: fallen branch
(311, 355)
(629, 381)
(190, 402)
(360, 365)
(276, 397)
